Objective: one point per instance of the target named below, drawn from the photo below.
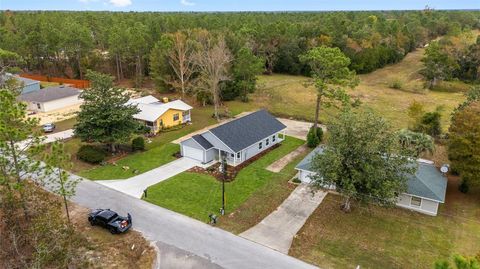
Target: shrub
(463, 187)
(138, 143)
(396, 84)
(314, 138)
(296, 180)
(91, 154)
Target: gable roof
(49, 94)
(149, 99)
(247, 130)
(25, 81)
(427, 182)
(202, 141)
(152, 110)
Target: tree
(329, 69)
(104, 116)
(19, 144)
(363, 160)
(246, 67)
(430, 124)
(212, 60)
(171, 61)
(415, 111)
(471, 95)
(418, 143)
(8, 59)
(464, 143)
(438, 65)
(59, 180)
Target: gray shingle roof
(202, 141)
(248, 130)
(427, 182)
(50, 94)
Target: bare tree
(213, 61)
(181, 61)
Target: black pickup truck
(110, 220)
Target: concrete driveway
(134, 186)
(278, 229)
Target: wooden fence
(77, 83)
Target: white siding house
(425, 190)
(51, 98)
(238, 140)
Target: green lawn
(375, 237)
(197, 195)
(142, 161)
(158, 152)
(263, 201)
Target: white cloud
(120, 3)
(186, 3)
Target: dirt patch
(232, 171)
(129, 250)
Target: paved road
(205, 246)
(278, 229)
(134, 186)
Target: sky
(235, 5)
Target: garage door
(193, 153)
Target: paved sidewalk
(278, 229)
(134, 186)
(278, 165)
(58, 136)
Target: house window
(260, 145)
(39, 106)
(238, 155)
(267, 142)
(232, 155)
(416, 201)
(176, 117)
(274, 137)
(149, 123)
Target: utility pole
(224, 172)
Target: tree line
(123, 44)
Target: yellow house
(159, 115)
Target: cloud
(120, 3)
(186, 3)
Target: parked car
(48, 128)
(110, 220)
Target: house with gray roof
(237, 140)
(51, 98)
(26, 85)
(426, 189)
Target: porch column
(234, 159)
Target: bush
(91, 154)
(463, 187)
(296, 180)
(138, 143)
(396, 84)
(314, 138)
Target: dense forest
(122, 44)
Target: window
(232, 155)
(39, 106)
(149, 123)
(274, 137)
(176, 117)
(260, 145)
(416, 201)
(267, 142)
(238, 155)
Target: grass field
(285, 94)
(374, 237)
(197, 195)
